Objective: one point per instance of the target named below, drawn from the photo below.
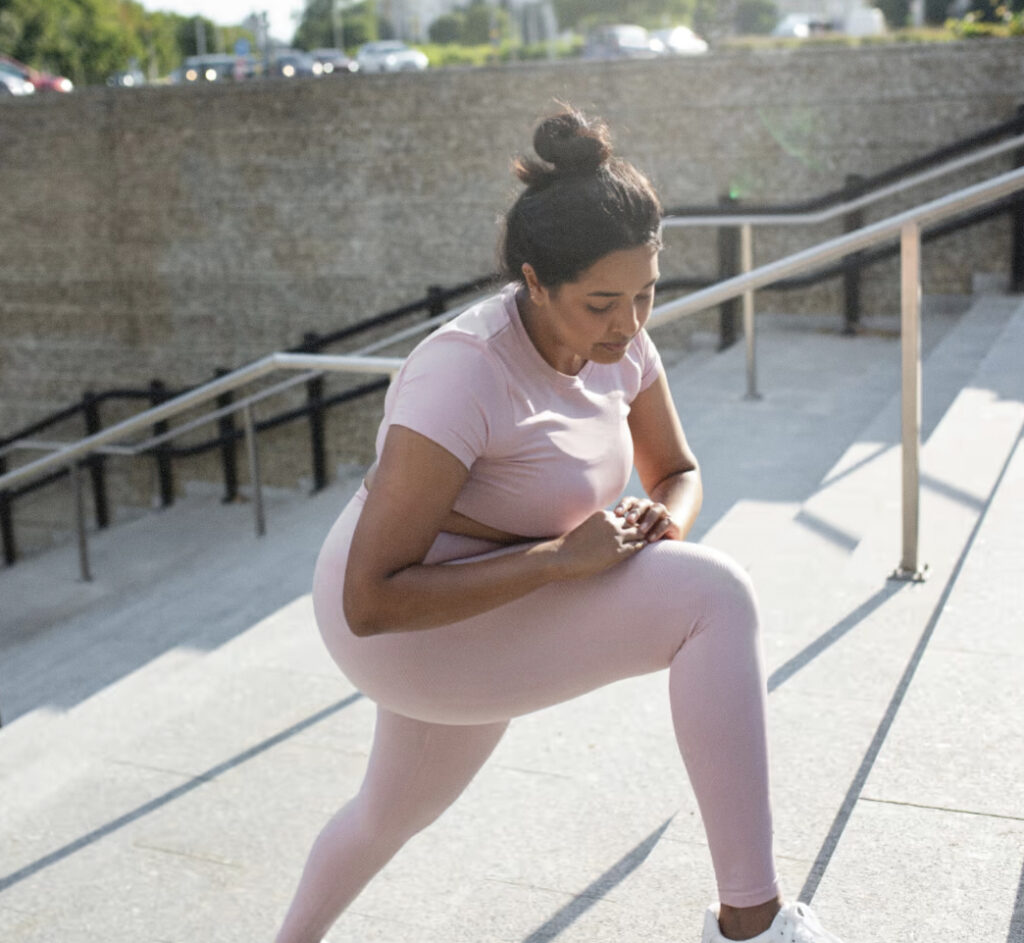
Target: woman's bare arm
(666, 465)
(389, 589)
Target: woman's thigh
(549, 646)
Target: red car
(43, 81)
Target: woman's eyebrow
(616, 294)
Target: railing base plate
(910, 576)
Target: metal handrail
(987, 191)
(849, 206)
(746, 221)
(906, 226)
(72, 453)
(40, 445)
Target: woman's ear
(538, 293)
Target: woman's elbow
(361, 616)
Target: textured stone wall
(165, 232)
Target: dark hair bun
(569, 144)
(572, 143)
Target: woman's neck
(544, 341)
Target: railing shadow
(90, 838)
(597, 889)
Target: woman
(504, 436)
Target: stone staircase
(175, 734)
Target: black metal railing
(315, 408)
(851, 269)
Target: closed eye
(600, 310)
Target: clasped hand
(608, 537)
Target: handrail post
(228, 457)
(315, 401)
(7, 522)
(851, 267)
(910, 568)
(435, 301)
(78, 498)
(746, 265)
(165, 474)
(1017, 224)
(728, 265)
(254, 470)
(97, 463)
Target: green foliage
(473, 25)
(484, 24)
(359, 24)
(935, 11)
(84, 40)
(447, 29)
(973, 27)
(755, 17)
(582, 14)
(896, 12)
(450, 54)
(89, 40)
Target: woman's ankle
(743, 923)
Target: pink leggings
(445, 697)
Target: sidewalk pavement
(177, 736)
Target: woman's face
(596, 316)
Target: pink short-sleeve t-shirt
(544, 450)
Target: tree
(82, 39)
(360, 24)
(755, 17)
(896, 12)
(447, 29)
(483, 23)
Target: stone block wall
(166, 232)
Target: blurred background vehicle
(334, 61)
(623, 41)
(13, 83)
(131, 77)
(41, 81)
(680, 41)
(217, 67)
(390, 56)
(802, 26)
(294, 63)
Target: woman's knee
(725, 594)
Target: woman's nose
(630, 323)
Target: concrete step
(939, 815)
(821, 568)
(198, 781)
(186, 571)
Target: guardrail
(846, 209)
(905, 226)
(71, 456)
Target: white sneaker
(795, 923)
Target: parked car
(334, 61)
(13, 83)
(681, 41)
(623, 41)
(390, 55)
(217, 67)
(41, 81)
(293, 63)
(129, 78)
(802, 26)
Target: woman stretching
(476, 575)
